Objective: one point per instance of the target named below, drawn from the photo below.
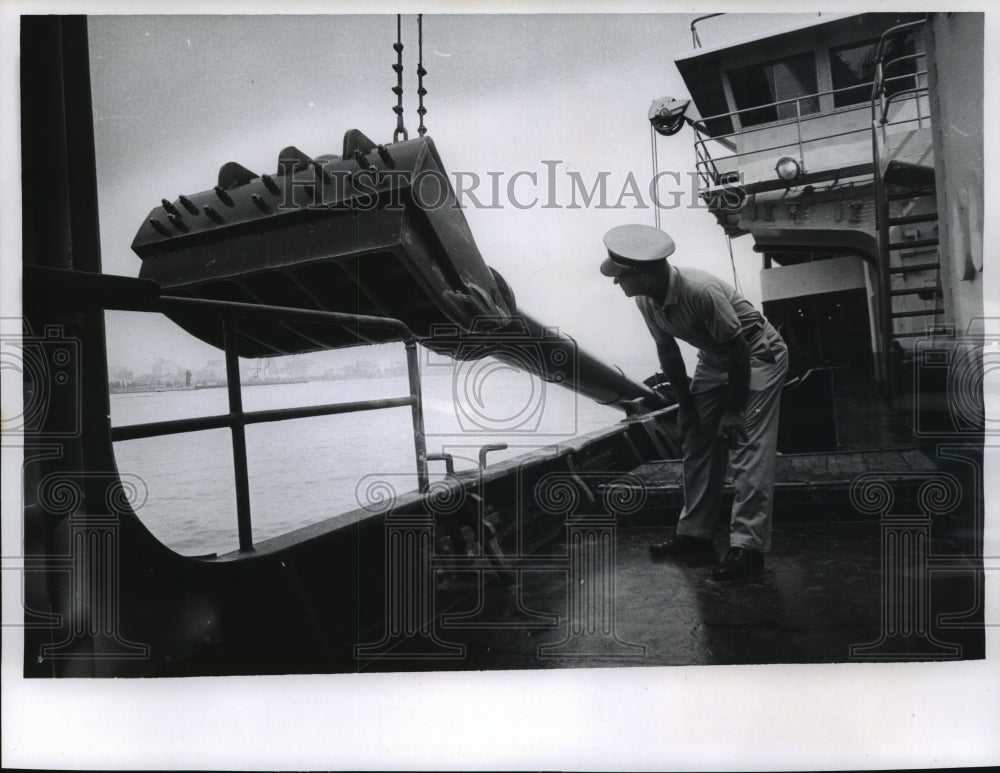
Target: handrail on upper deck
(880, 80)
(706, 165)
(696, 41)
(879, 105)
(895, 31)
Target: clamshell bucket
(376, 231)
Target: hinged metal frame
(237, 419)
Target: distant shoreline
(142, 389)
(425, 373)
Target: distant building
(122, 377)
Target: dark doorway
(825, 330)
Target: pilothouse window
(854, 66)
(774, 82)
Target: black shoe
(683, 547)
(739, 562)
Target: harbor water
(303, 471)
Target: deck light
(788, 169)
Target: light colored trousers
(753, 461)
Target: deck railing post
(798, 129)
(879, 104)
(419, 440)
(230, 341)
(237, 419)
(879, 91)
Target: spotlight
(788, 169)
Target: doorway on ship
(825, 330)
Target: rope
(398, 88)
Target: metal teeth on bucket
(375, 231)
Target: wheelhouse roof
(711, 52)
(701, 67)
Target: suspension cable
(398, 88)
(732, 261)
(421, 72)
(656, 172)
(656, 201)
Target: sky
(175, 97)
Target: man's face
(635, 283)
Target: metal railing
(695, 40)
(707, 165)
(880, 103)
(880, 97)
(878, 84)
(237, 418)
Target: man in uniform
(731, 402)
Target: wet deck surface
(802, 469)
(833, 590)
(862, 419)
(808, 487)
(820, 595)
(871, 438)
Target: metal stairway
(909, 250)
(909, 269)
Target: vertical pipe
(798, 128)
(419, 442)
(79, 149)
(656, 171)
(239, 435)
(701, 162)
(883, 293)
(880, 86)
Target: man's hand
(653, 403)
(687, 418)
(731, 428)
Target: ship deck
(824, 597)
(840, 584)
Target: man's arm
(672, 363)
(731, 423)
(739, 374)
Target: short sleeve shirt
(704, 311)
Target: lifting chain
(398, 88)
(421, 72)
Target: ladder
(910, 295)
